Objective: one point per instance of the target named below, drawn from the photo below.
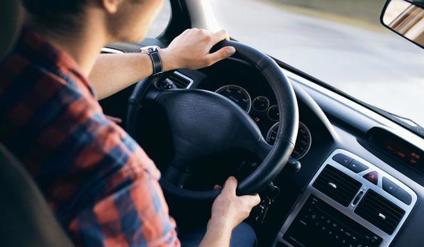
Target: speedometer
(238, 95)
(303, 142)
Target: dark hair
(54, 13)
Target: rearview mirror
(405, 18)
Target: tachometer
(260, 103)
(303, 142)
(273, 113)
(238, 95)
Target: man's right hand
(229, 210)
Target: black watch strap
(154, 55)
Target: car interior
(330, 169)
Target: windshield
(340, 42)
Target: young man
(102, 187)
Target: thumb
(221, 54)
(230, 186)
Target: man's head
(123, 20)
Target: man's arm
(114, 72)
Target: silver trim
(191, 81)
(111, 51)
(243, 89)
(349, 211)
(332, 185)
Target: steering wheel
(204, 123)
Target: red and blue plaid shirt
(100, 184)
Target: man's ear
(111, 6)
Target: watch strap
(154, 55)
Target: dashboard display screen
(408, 153)
(405, 153)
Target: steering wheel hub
(203, 123)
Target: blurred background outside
(340, 42)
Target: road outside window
(338, 41)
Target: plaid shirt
(100, 184)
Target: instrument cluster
(264, 111)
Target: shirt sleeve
(120, 202)
(135, 215)
(128, 207)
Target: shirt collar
(38, 48)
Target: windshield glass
(340, 42)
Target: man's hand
(229, 210)
(191, 50)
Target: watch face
(149, 49)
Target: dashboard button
(357, 166)
(342, 159)
(396, 191)
(350, 163)
(372, 177)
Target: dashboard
(349, 202)
(360, 180)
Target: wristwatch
(153, 52)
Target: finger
(219, 36)
(252, 200)
(221, 54)
(186, 31)
(230, 185)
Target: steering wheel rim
(278, 155)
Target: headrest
(11, 19)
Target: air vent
(337, 185)
(380, 212)
(181, 81)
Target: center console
(349, 202)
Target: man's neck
(83, 46)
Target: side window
(161, 21)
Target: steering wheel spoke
(154, 93)
(262, 149)
(176, 176)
